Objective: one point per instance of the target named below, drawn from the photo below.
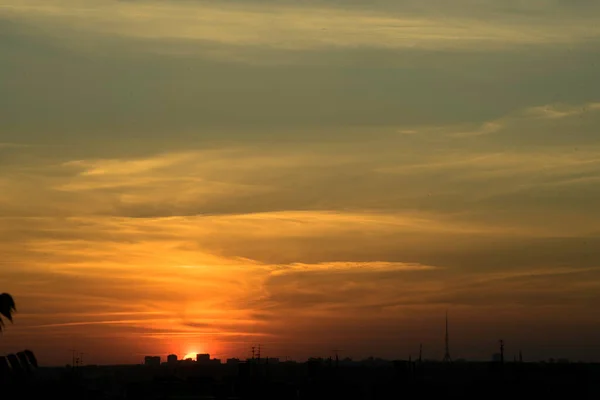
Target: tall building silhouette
(203, 358)
(152, 361)
(447, 357)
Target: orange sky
(201, 177)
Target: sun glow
(191, 355)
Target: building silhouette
(153, 361)
(172, 358)
(203, 358)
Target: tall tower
(447, 352)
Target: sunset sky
(204, 176)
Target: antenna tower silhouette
(336, 352)
(75, 360)
(447, 357)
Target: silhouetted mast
(74, 358)
(447, 352)
(337, 357)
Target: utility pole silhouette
(74, 358)
(337, 357)
(447, 357)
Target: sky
(201, 176)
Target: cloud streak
(317, 26)
(355, 267)
(545, 112)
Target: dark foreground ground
(399, 380)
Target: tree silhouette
(7, 308)
(14, 366)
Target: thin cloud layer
(330, 267)
(319, 25)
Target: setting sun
(183, 177)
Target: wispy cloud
(549, 111)
(170, 335)
(489, 165)
(356, 267)
(558, 165)
(12, 145)
(304, 27)
(107, 322)
(561, 110)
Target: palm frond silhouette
(7, 308)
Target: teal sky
(192, 175)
